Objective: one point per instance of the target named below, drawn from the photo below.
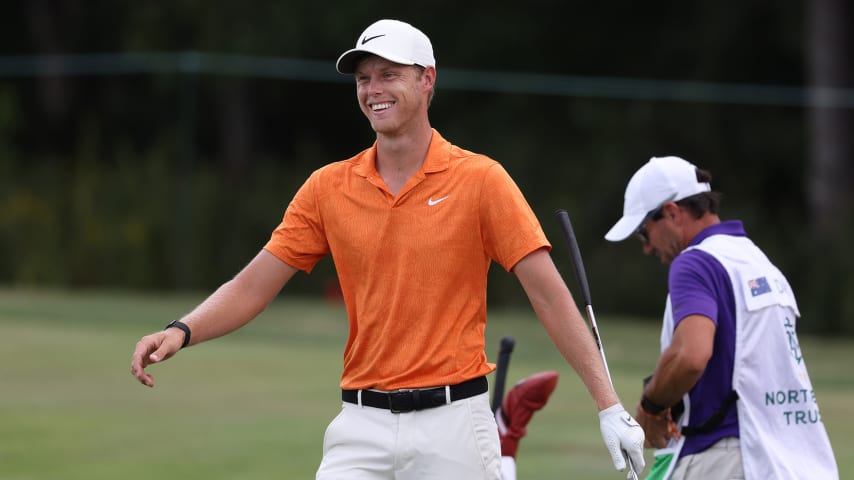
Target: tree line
(173, 179)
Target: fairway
(255, 404)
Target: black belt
(402, 401)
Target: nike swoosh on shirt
(368, 39)
(432, 202)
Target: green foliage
(113, 224)
(159, 179)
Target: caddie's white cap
(662, 179)
(393, 40)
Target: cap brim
(347, 61)
(624, 227)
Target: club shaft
(595, 329)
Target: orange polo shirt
(412, 267)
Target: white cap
(393, 40)
(662, 179)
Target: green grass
(255, 404)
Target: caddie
(729, 349)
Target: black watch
(182, 326)
(650, 407)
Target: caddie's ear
(670, 210)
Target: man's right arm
(230, 307)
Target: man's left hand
(623, 436)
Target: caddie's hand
(658, 429)
(154, 348)
(623, 436)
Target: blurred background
(154, 146)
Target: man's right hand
(152, 349)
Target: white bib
(782, 435)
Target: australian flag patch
(758, 286)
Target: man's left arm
(555, 308)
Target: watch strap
(181, 326)
(651, 408)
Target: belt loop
(447, 394)
(359, 397)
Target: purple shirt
(699, 285)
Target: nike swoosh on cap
(368, 39)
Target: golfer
(412, 224)
(730, 362)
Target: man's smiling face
(391, 95)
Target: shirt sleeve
(300, 240)
(696, 282)
(510, 228)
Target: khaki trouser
(721, 461)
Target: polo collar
(728, 227)
(438, 157)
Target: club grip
(505, 348)
(575, 253)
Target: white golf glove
(623, 436)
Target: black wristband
(650, 407)
(182, 326)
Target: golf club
(581, 275)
